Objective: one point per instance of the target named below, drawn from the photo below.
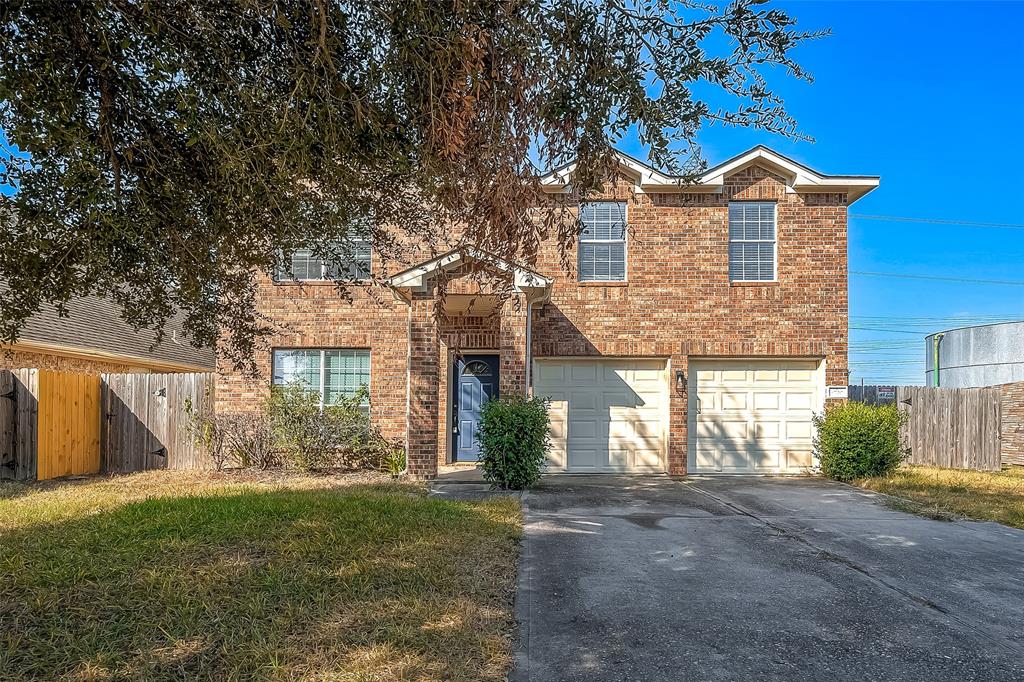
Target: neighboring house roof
(799, 178)
(94, 327)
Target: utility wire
(894, 331)
(937, 221)
(1008, 282)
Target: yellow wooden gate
(69, 424)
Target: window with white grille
(752, 241)
(334, 373)
(303, 265)
(602, 256)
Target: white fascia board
(799, 179)
(523, 279)
(560, 179)
(414, 278)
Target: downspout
(529, 349)
(408, 387)
(935, 356)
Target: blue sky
(927, 95)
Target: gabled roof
(94, 326)
(523, 279)
(799, 178)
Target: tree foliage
(176, 147)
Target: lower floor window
(334, 373)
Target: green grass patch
(944, 493)
(171, 576)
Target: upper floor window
(752, 241)
(334, 373)
(602, 256)
(305, 266)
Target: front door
(475, 382)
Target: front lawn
(167, 575)
(982, 495)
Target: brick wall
(678, 302)
(1012, 427)
(315, 315)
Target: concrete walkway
(760, 579)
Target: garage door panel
(799, 458)
(734, 401)
(752, 415)
(583, 457)
(799, 430)
(613, 415)
(732, 429)
(767, 430)
(707, 429)
(734, 377)
(707, 459)
(766, 459)
(550, 374)
(767, 401)
(584, 428)
(584, 373)
(648, 459)
(799, 401)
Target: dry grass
(164, 575)
(941, 493)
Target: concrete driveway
(757, 579)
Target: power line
(894, 331)
(1009, 282)
(939, 221)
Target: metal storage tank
(984, 355)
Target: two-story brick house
(698, 332)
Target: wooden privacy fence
(56, 424)
(18, 409)
(952, 427)
(49, 424)
(146, 421)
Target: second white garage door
(752, 416)
(607, 416)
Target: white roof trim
(799, 178)
(523, 280)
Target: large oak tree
(163, 151)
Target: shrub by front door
(475, 382)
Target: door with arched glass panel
(475, 381)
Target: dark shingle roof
(95, 324)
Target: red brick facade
(677, 303)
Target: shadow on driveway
(724, 578)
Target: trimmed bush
(855, 440)
(513, 435)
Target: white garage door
(607, 416)
(752, 417)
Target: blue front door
(475, 382)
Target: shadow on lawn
(368, 582)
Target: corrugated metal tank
(985, 355)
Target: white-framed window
(334, 373)
(753, 248)
(602, 252)
(304, 266)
